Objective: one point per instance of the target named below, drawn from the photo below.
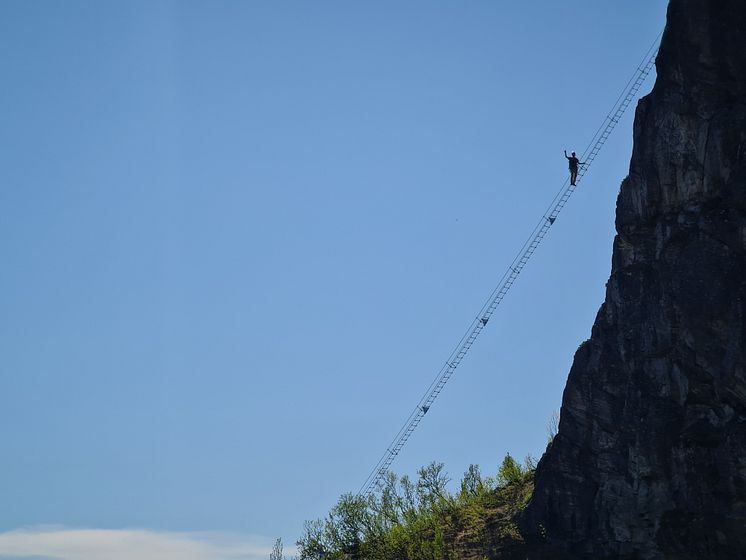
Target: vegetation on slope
(422, 520)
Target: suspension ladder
(511, 274)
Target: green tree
(313, 542)
(348, 524)
(409, 496)
(472, 483)
(431, 486)
(388, 506)
(276, 553)
(510, 471)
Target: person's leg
(573, 176)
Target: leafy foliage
(420, 520)
(509, 471)
(276, 553)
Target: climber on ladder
(574, 163)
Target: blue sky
(239, 239)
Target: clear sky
(239, 239)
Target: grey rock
(650, 458)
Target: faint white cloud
(61, 543)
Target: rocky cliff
(650, 459)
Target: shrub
(510, 471)
(410, 520)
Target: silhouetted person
(574, 163)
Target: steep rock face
(650, 459)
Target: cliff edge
(650, 458)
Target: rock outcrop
(650, 458)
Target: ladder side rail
(510, 276)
